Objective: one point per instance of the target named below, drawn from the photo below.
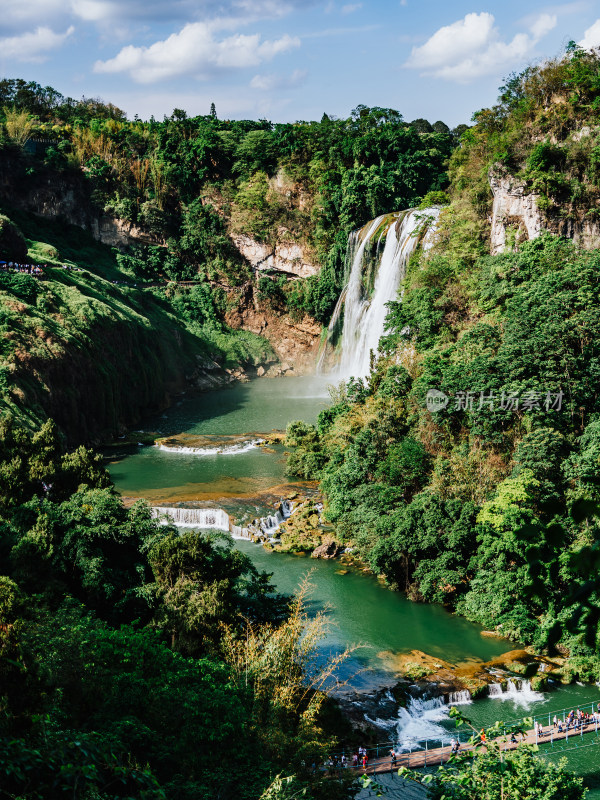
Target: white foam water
(220, 450)
(203, 518)
(219, 519)
(364, 312)
(461, 698)
(517, 691)
(420, 721)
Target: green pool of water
(365, 612)
(262, 406)
(361, 609)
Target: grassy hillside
(91, 348)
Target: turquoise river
(210, 459)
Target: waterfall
(218, 519)
(517, 690)
(419, 722)
(461, 698)
(214, 518)
(364, 310)
(223, 450)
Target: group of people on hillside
(27, 269)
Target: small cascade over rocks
(222, 450)
(420, 722)
(517, 690)
(214, 518)
(425, 719)
(373, 281)
(460, 698)
(219, 519)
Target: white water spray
(517, 690)
(223, 450)
(364, 312)
(218, 519)
(420, 722)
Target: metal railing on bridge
(570, 737)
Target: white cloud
(543, 25)
(591, 37)
(267, 83)
(471, 47)
(194, 51)
(350, 8)
(34, 45)
(20, 15)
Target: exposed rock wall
(56, 195)
(516, 217)
(285, 256)
(295, 342)
(512, 207)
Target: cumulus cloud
(194, 51)
(472, 47)
(591, 37)
(267, 83)
(34, 45)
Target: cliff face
(295, 341)
(285, 256)
(517, 217)
(58, 195)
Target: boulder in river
(328, 549)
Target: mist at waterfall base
(165, 475)
(394, 238)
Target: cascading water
(214, 518)
(420, 722)
(222, 450)
(423, 719)
(365, 311)
(218, 519)
(517, 690)
(460, 698)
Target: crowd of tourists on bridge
(576, 721)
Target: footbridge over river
(433, 753)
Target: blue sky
(286, 59)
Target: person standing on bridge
(393, 757)
(482, 737)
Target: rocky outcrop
(65, 196)
(119, 233)
(514, 211)
(285, 256)
(516, 217)
(329, 549)
(295, 342)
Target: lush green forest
(139, 662)
(194, 183)
(136, 661)
(487, 505)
